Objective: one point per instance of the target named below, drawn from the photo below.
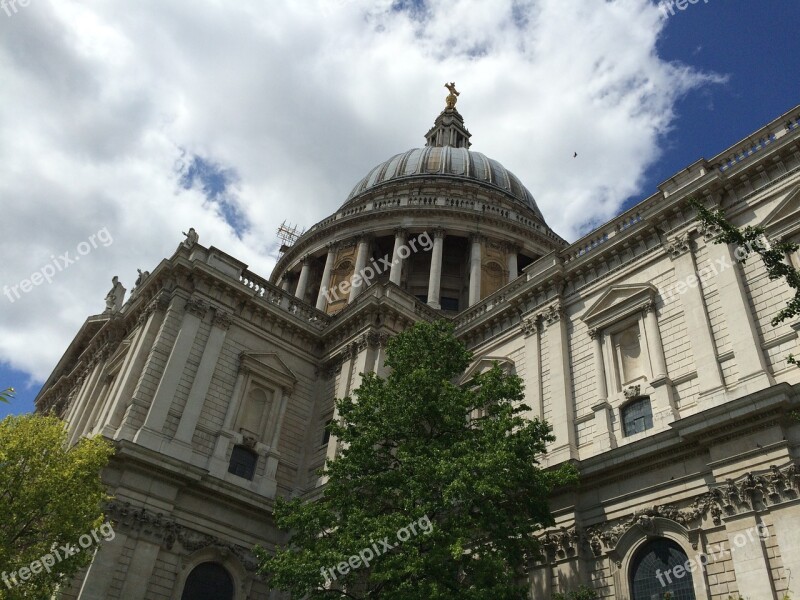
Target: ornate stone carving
(553, 314)
(632, 391)
(530, 326)
(222, 319)
(191, 237)
(756, 490)
(166, 531)
(196, 307)
(605, 536)
(710, 231)
(678, 246)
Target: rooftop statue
(452, 97)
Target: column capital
(596, 333)
(553, 313)
(648, 307)
(305, 260)
(530, 326)
(332, 246)
(197, 307)
(678, 246)
(222, 319)
(364, 237)
(439, 233)
(400, 232)
(476, 237)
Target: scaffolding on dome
(288, 234)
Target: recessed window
(243, 462)
(637, 416)
(449, 303)
(208, 581)
(326, 433)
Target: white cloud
(299, 99)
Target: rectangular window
(637, 416)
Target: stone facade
(649, 349)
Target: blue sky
(154, 117)
(756, 44)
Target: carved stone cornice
(530, 326)
(165, 531)
(757, 490)
(678, 246)
(222, 319)
(710, 231)
(553, 314)
(603, 537)
(197, 307)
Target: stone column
(742, 327)
(435, 277)
(511, 256)
(531, 329)
(654, 345)
(476, 242)
(151, 322)
(356, 283)
(101, 571)
(285, 282)
(348, 356)
(140, 570)
(604, 437)
(150, 435)
(302, 283)
(563, 415)
(396, 272)
(322, 300)
(749, 556)
(200, 385)
(698, 325)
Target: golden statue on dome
(452, 97)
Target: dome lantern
(449, 128)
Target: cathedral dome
(457, 164)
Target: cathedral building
(648, 348)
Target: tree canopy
(436, 491)
(51, 495)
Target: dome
(449, 162)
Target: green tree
(51, 494)
(751, 241)
(456, 463)
(582, 593)
(6, 395)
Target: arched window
(637, 416)
(653, 572)
(208, 581)
(243, 462)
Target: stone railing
(756, 143)
(283, 300)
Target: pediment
(784, 218)
(485, 363)
(269, 366)
(619, 302)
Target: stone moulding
(165, 531)
(753, 491)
